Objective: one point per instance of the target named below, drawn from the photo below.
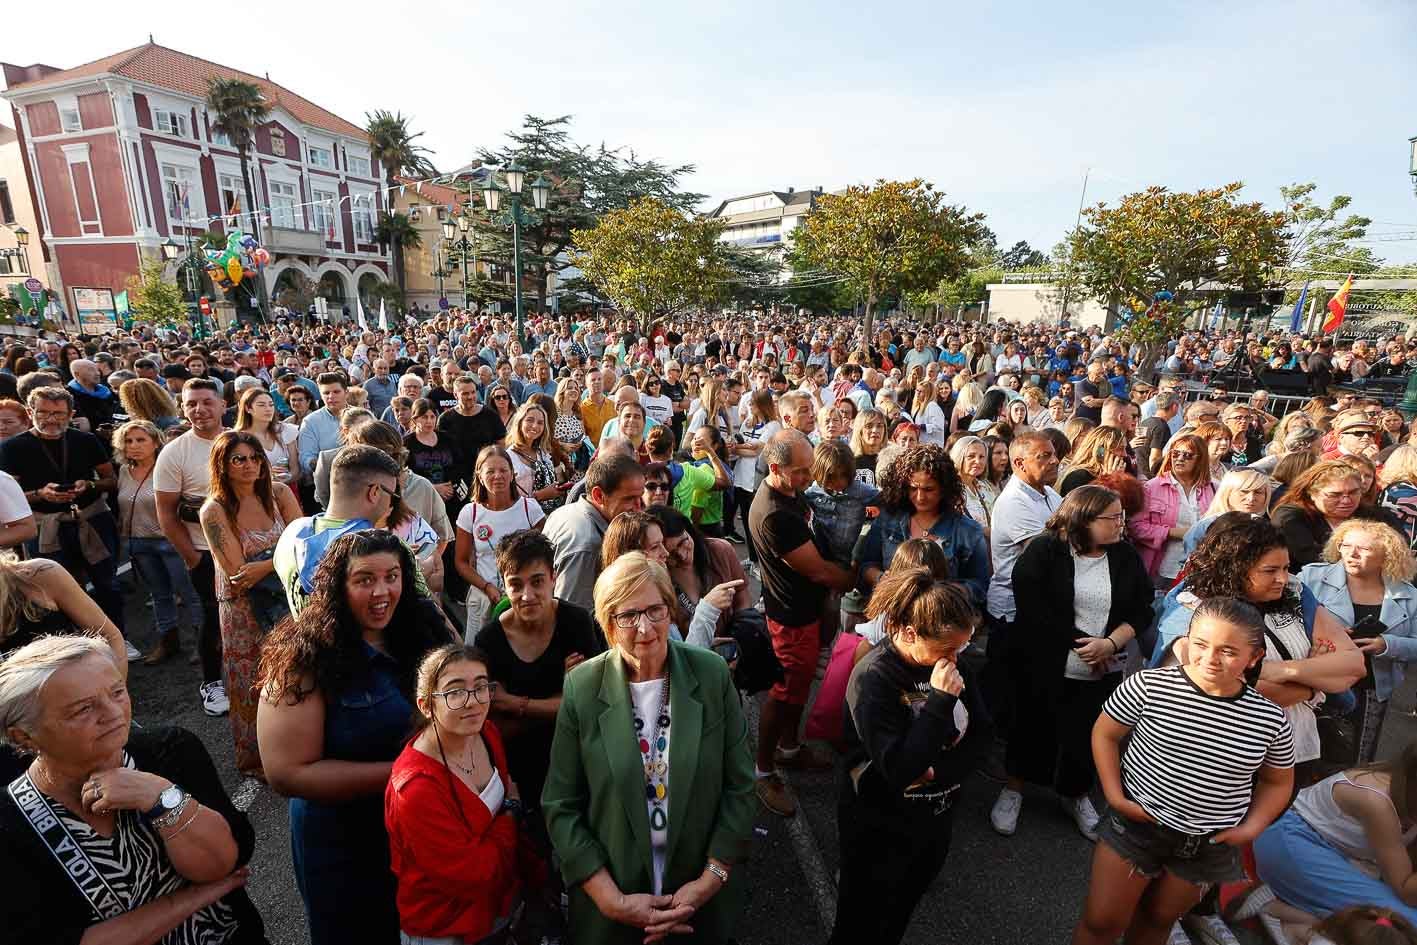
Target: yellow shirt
(595, 418)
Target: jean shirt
(960, 538)
(1329, 583)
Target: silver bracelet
(718, 871)
(172, 816)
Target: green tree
(816, 290)
(753, 277)
(399, 155)
(155, 300)
(240, 108)
(1021, 256)
(652, 260)
(1317, 238)
(396, 230)
(586, 183)
(1160, 241)
(894, 237)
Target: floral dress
(241, 637)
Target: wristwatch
(168, 802)
(513, 806)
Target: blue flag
(1297, 317)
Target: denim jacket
(838, 517)
(960, 537)
(1399, 614)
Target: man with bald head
(796, 578)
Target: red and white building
(121, 156)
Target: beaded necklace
(656, 765)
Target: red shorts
(796, 649)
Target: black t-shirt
(780, 524)
(712, 347)
(866, 469)
(1158, 433)
(675, 392)
(36, 462)
(529, 752)
(471, 433)
(1320, 371)
(441, 398)
(1089, 389)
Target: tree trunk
(398, 263)
(870, 318)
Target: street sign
(205, 304)
(34, 286)
(443, 303)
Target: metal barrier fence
(1278, 404)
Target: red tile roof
(189, 75)
(439, 194)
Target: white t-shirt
(933, 419)
(280, 458)
(659, 408)
(745, 470)
(182, 468)
(13, 505)
(487, 528)
(648, 698)
(1092, 601)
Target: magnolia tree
(892, 238)
(653, 260)
(1148, 257)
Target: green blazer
(594, 799)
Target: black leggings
(209, 641)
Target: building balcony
(295, 240)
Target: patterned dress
(241, 638)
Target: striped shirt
(1192, 757)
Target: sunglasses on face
(241, 459)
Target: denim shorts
(1151, 848)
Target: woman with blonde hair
(1365, 580)
(540, 464)
(868, 435)
(970, 454)
(1240, 490)
(967, 400)
(927, 413)
(712, 403)
(143, 399)
(256, 414)
(1398, 481)
(163, 572)
(1102, 450)
(1037, 401)
(569, 429)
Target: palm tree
(392, 145)
(240, 109)
(397, 231)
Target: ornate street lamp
(492, 196)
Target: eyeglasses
(1119, 517)
(457, 698)
(241, 459)
(394, 494)
(51, 414)
(1182, 455)
(656, 487)
(630, 619)
(1353, 494)
(1361, 434)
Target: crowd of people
(489, 611)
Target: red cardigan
(452, 881)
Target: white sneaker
(1209, 929)
(214, 701)
(1084, 815)
(1275, 929)
(133, 654)
(1004, 816)
(1178, 936)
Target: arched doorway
(368, 284)
(333, 289)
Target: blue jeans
(165, 574)
(1307, 872)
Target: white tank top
(1318, 808)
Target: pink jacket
(1163, 501)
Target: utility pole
(1067, 287)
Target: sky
(1004, 107)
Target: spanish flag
(1338, 305)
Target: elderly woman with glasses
(140, 813)
(649, 842)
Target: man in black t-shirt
(796, 578)
(471, 425)
(560, 634)
(1155, 430)
(1093, 391)
(64, 474)
(436, 393)
(1320, 367)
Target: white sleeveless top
(1318, 808)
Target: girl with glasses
(243, 517)
(1082, 596)
(452, 806)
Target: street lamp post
(492, 195)
(187, 269)
(450, 229)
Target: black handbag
(758, 666)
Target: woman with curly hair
(1307, 652)
(143, 399)
(336, 708)
(1365, 581)
(922, 496)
